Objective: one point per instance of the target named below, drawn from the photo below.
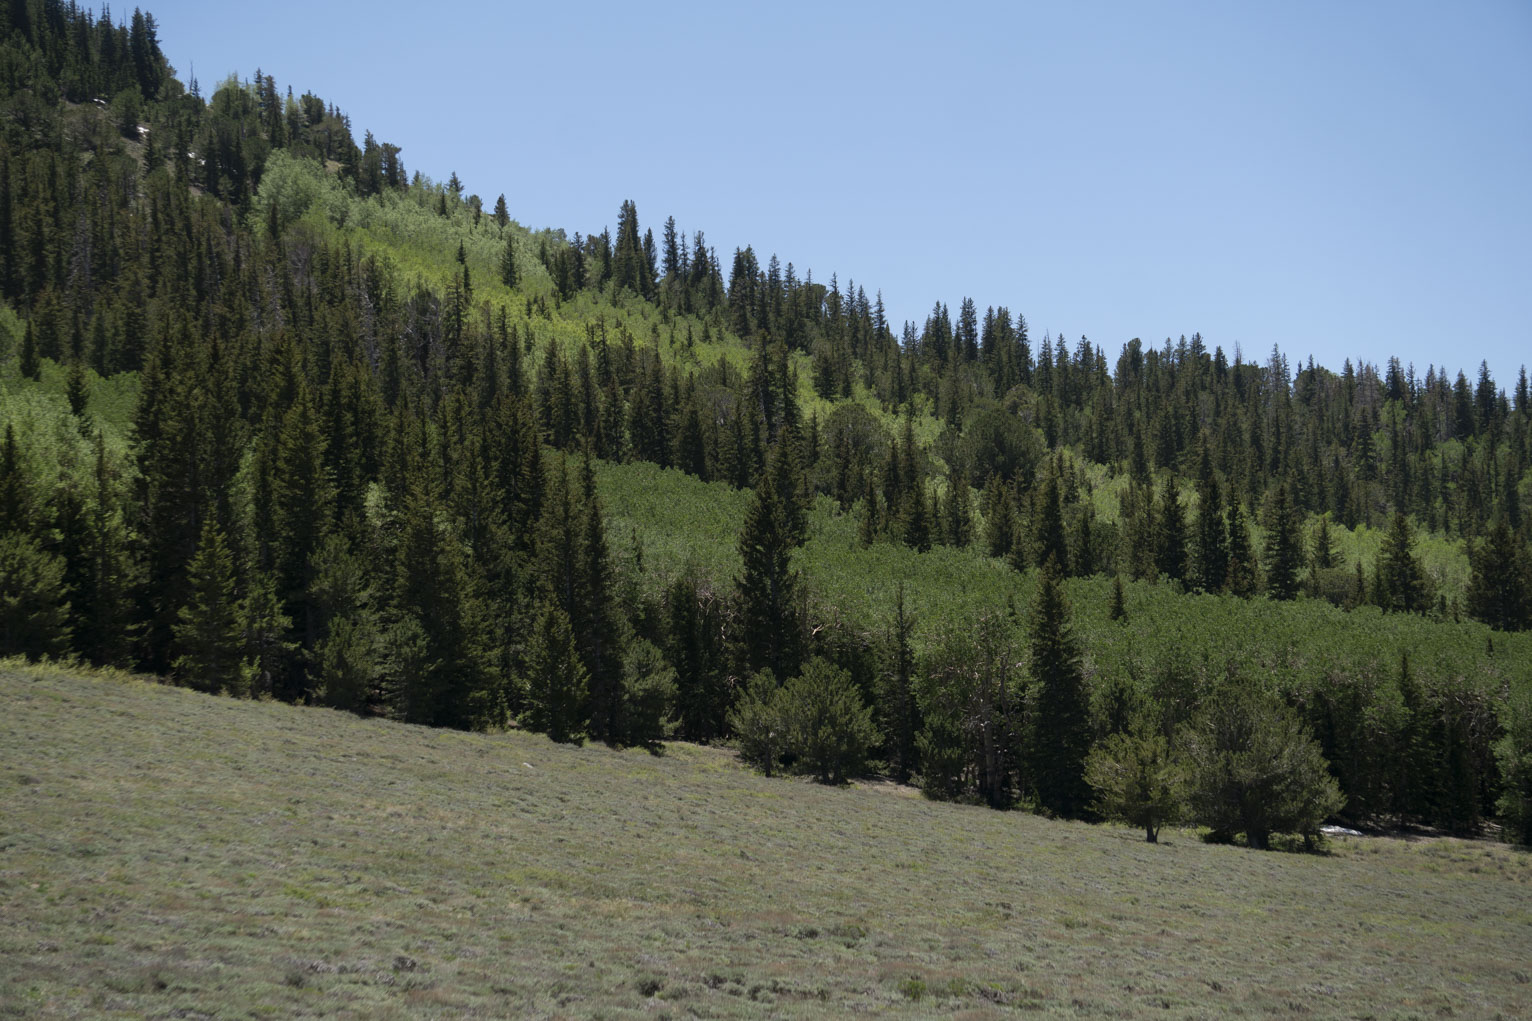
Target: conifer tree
(767, 590)
(1241, 578)
(1401, 580)
(1284, 545)
(999, 518)
(1500, 580)
(1061, 735)
(556, 678)
(1211, 542)
(1170, 541)
(210, 626)
(508, 270)
(1048, 540)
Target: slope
(167, 853)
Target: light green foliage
(1136, 780)
(297, 187)
(829, 728)
(756, 720)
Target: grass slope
(164, 853)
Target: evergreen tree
(1241, 578)
(1170, 540)
(1284, 545)
(1048, 541)
(556, 678)
(767, 590)
(1211, 542)
(1061, 735)
(1400, 578)
(1500, 580)
(508, 270)
(1137, 780)
(210, 625)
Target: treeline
(346, 488)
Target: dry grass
(167, 854)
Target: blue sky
(1344, 180)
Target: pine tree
(1500, 580)
(31, 365)
(767, 590)
(1061, 735)
(502, 214)
(1170, 536)
(1211, 542)
(1401, 579)
(1048, 540)
(508, 270)
(556, 678)
(210, 625)
(1119, 608)
(1284, 553)
(1241, 577)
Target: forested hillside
(283, 419)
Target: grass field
(169, 854)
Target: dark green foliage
(1513, 754)
(1500, 583)
(1119, 608)
(1400, 579)
(1136, 780)
(1252, 768)
(971, 708)
(556, 683)
(756, 720)
(767, 590)
(210, 639)
(1048, 541)
(1170, 537)
(1241, 578)
(1284, 546)
(648, 697)
(367, 430)
(1061, 727)
(898, 710)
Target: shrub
(829, 728)
(1252, 768)
(1135, 780)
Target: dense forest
(282, 419)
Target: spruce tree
(557, 683)
(508, 273)
(767, 590)
(1500, 580)
(1048, 540)
(210, 626)
(1284, 545)
(1170, 536)
(1241, 577)
(1061, 735)
(1401, 579)
(1210, 544)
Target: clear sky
(1341, 179)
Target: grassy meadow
(170, 854)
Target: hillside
(284, 420)
(170, 854)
